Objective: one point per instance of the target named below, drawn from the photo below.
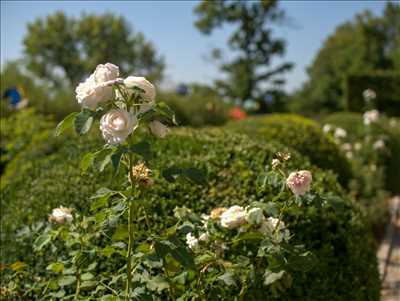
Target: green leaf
(177, 250)
(41, 242)
(116, 159)
(99, 203)
(87, 161)
(271, 277)
(302, 262)
(56, 267)
(66, 280)
(195, 175)
(228, 278)
(87, 276)
(158, 284)
(83, 121)
(65, 124)
(164, 110)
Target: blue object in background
(14, 95)
(182, 89)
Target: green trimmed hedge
(302, 134)
(46, 174)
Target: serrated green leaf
(87, 276)
(228, 278)
(271, 277)
(66, 280)
(66, 123)
(56, 267)
(41, 242)
(83, 121)
(87, 161)
(158, 284)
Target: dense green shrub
(386, 86)
(302, 134)
(197, 110)
(37, 180)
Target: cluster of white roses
(237, 217)
(338, 133)
(117, 124)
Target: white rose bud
(117, 125)
(142, 83)
(254, 216)
(158, 129)
(106, 72)
(234, 217)
(61, 215)
(299, 182)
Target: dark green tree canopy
(59, 47)
(365, 44)
(249, 74)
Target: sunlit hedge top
(302, 134)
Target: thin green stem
(130, 231)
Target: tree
(249, 75)
(60, 47)
(365, 44)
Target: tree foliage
(60, 46)
(365, 44)
(249, 73)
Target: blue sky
(169, 25)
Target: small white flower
(234, 217)
(158, 129)
(106, 72)
(275, 163)
(370, 117)
(346, 147)
(369, 94)
(140, 82)
(117, 125)
(192, 241)
(340, 133)
(299, 182)
(327, 128)
(357, 146)
(349, 155)
(61, 215)
(254, 216)
(379, 144)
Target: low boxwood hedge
(302, 134)
(46, 174)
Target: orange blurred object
(237, 113)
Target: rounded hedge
(302, 134)
(46, 174)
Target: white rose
(327, 128)
(142, 83)
(299, 182)
(357, 146)
(346, 147)
(106, 72)
(340, 133)
(370, 117)
(116, 125)
(158, 129)
(254, 216)
(234, 217)
(379, 144)
(204, 237)
(192, 241)
(89, 94)
(61, 215)
(270, 224)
